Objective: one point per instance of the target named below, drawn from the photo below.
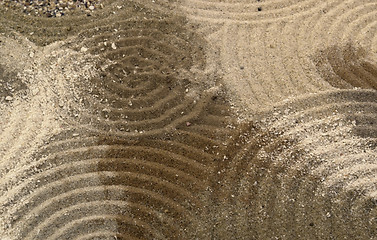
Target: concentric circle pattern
(139, 144)
(141, 91)
(348, 68)
(311, 176)
(278, 58)
(190, 119)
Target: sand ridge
(287, 45)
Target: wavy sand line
(311, 172)
(240, 12)
(248, 49)
(169, 161)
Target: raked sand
(190, 119)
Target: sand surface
(190, 119)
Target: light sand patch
(27, 121)
(266, 49)
(326, 133)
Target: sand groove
(144, 176)
(140, 148)
(241, 11)
(295, 52)
(139, 94)
(312, 172)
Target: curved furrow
(156, 202)
(355, 17)
(295, 202)
(143, 113)
(197, 140)
(82, 194)
(290, 71)
(328, 163)
(152, 168)
(373, 42)
(168, 177)
(148, 153)
(362, 25)
(17, 135)
(306, 42)
(324, 21)
(367, 35)
(217, 134)
(330, 112)
(130, 134)
(184, 150)
(346, 68)
(304, 102)
(105, 235)
(302, 172)
(137, 228)
(293, 56)
(122, 95)
(88, 208)
(338, 161)
(163, 123)
(246, 72)
(278, 62)
(240, 12)
(262, 82)
(32, 118)
(136, 114)
(117, 106)
(352, 173)
(289, 59)
(340, 55)
(334, 123)
(148, 36)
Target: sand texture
(188, 119)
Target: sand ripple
(240, 119)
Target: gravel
(52, 8)
(9, 98)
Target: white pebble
(8, 98)
(91, 7)
(113, 46)
(84, 49)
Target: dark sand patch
(346, 67)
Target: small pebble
(8, 98)
(51, 8)
(113, 46)
(35, 91)
(83, 49)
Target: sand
(190, 120)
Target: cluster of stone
(51, 8)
